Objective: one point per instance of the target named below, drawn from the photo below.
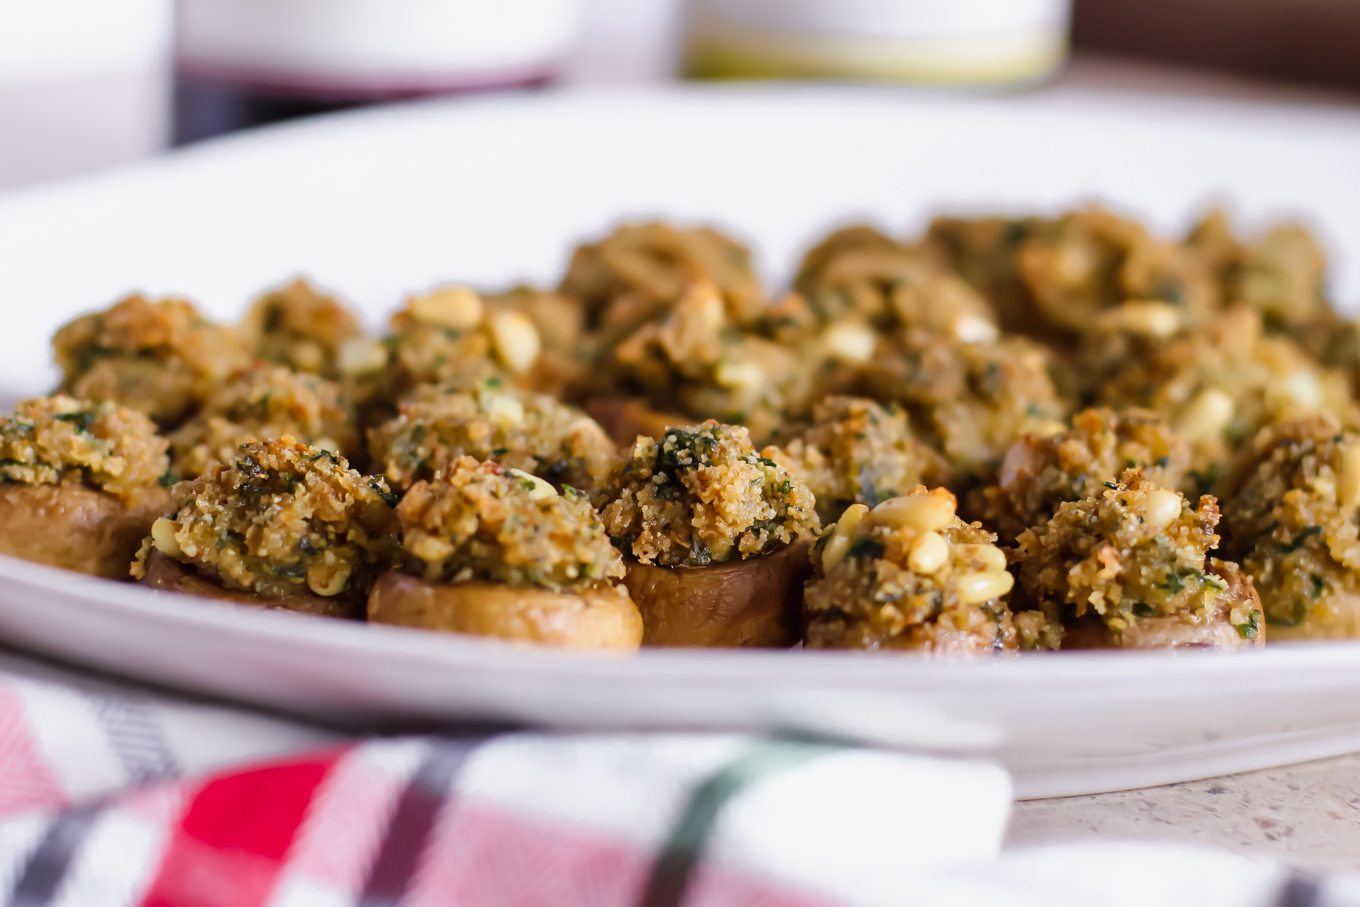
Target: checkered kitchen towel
(116, 796)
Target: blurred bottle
(246, 62)
(941, 42)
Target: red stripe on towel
(232, 839)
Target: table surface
(1307, 815)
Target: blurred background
(90, 83)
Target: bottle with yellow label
(942, 42)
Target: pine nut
(834, 551)
(516, 340)
(457, 308)
(428, 548)
(921, 511)
(541, 489)
(992, 557)
(1303, 390)
(701, 312)
(974, 329)
(308, 356)
(360, 356)
(1348, 484)
(1163, 506)
(928, 553)
(1149, 317)
(739, 375)
(163, 536)
(976, 588)
(505, 409)
(328, 585)
(1045, 428)
(851, 518)
(838, 544)
(849, 342)
(1207, 415)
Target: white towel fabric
(115, 794)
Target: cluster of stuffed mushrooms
(1004, 435)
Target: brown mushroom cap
(74, 527)
(598, 618)
(750, 603)
(166, 573)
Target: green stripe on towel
(680, 854)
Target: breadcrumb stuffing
(1132, 551)
(928, 582)
(299, 326)
(282, 518)
(703, 495)
(624, 277)
(1290, 517)
(970, 401)
(1218, 385)
(691, 357)
(858, 451)
(264, 402)
(483, 521)
(50, 440)
(1040, 472)
(161, 357)
(490, 421)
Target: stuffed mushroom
(714, 534)
(80, 483)
(494, 551)
(162, 357)
(264, 402)
(1292, 517)
(909, 575)
(283, 525)
(298, 326)
(1129, 567)
(1040, 472)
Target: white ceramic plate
(491, 191)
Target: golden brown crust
(1291, 520)
(859, 274)
(1133, 553)
(490, 421)
(702, 495)
(752, 603)
(601, 618)
(910, 575)
(58, 439)
(76, 528)
(624, 277)
(169, 575)
(857, 451)
(260, 403)
(157, 356)
(692, 357)
(281, 519)
(1039, 473)
(970, 401)
(479, 521)
(451, 335)
(298, 326)
(1211, 630)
